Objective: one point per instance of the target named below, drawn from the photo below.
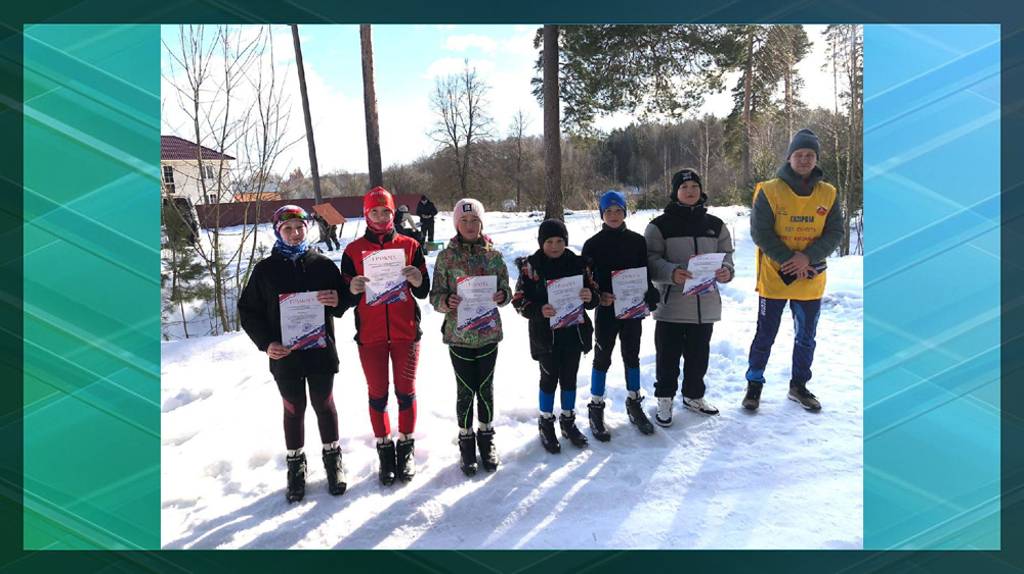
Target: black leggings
(474, 377)
(693, 343)
(606, 329)
(293, 395)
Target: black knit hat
(552, 228)
(681, 176)
(804, 139)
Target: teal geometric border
(931, 287)
(92, 287)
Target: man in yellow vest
(796, 223)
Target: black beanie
(552, 228)
(804, 139)
(681, 176)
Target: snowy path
(781, 478)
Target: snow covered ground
(780, 478)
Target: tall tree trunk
(747, 86)
(552, 129)
(370, 107)
(305, 112)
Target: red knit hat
(377, 197)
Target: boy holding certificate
(287, 308)
(470, 282)
(619, 260)
(384, 271)
(554, 287)
(688, 252)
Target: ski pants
(558, 369)
(606, 329)
(427, 228)
(805, 325)
(693, 343)
(474, 376)
(404, 356)
(293, 396)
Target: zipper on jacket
(697, 295)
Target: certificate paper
(630, 288)
(302, 321)
(703, 268)
(564, 296)
(384, 270)
(477, 310)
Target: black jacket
(531, 295)
(427, 210)
(614, 249)
(261, 316)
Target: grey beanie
(804, 139)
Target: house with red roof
(192, 171)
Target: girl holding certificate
(680, 244)
(554, 287)
(619, 259)
(470, 282)
(384, 271)
(307, 355)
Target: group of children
(388, 334)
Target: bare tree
(305, 112)
(462, 120)
(552, 128)
(210, 74)
(518, 131)
(370, 108)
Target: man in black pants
(426, 210)
(685, 320)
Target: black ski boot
(405, 463)
(798, 392)
(386, 453)
(488, 454)
(336, 483)
(547, 434)
(595, 411)
(467, 449)
(753, 398)
(296, 477)
(637, 416)
(569, 430)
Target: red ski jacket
(396, 321)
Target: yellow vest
(799, 222)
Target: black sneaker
(488, 454)
(546, 425)
(567, 422)
(386, 453)
(753, 398)
(405, 462)
(637, 416)
(798, 392)
(595, 411)
(296, 477)
(467, 452)
(336, 483)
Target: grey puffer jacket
(672, 238)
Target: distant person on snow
(426, 210)
(556, 349)
(684, 321)
(474, 348)
(796, 222)
(388, 332)
(611, 249)
(294, 267)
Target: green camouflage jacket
(462, 259)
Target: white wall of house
(180, 178)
